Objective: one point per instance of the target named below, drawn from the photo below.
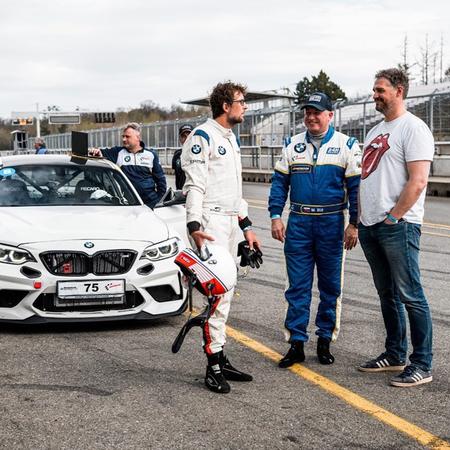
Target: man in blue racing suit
(320, 170)
(140, 164)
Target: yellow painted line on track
(254, 200)
(258, 207)
(436, 225)
(413, 431)
(436, 234)
(430, 225)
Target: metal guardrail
(253, 157)
(258, 163)
(256, 157)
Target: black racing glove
(252, 258)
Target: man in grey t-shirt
(395, 167)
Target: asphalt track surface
(118, 386)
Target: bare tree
(428, 61)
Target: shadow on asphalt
(52, 328)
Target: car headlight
(162, 250)
(14, 255)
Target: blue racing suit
(322, 183)
(142, 169)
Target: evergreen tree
(319, 83)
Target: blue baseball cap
(320, 101)
(187, 127)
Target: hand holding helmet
(212, 271)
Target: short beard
(381, 107)
(234, 120)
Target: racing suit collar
(325, 139)
(222, 130)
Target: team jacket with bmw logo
(142, 169)
(211, 159)
(322, 177)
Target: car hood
(21, 225)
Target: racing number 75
(91, 287)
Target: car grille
(47, 302)
(110, 262)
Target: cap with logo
(320, 101)
(185, 128)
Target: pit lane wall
(258, 163)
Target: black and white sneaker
(215, 381)
(412, 376)
(230, 372)
(381, 364)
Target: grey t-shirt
(387, 149)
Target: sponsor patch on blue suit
(333, 150)
(300, 147)
(301, 168)
(7, 172)
(196, 149)
(221, 150)
(350, 142)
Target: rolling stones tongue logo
(373, 154)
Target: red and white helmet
(216, 272)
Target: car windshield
(64, 185)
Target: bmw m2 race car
(77, 244)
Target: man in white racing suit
(217, 212)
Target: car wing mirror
(170, 198)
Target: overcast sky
(107, 54)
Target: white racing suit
(211, 159)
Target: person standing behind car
(216, 211)
(320, 170)
(180, 176)
(140, 164)
(39, 146)
(395, 168)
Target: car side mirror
(171, 198)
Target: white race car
(77, 244)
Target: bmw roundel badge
(300, 147)
(196, 149)
(221, 150)
(127, 158)
(88, 244)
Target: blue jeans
(393, 255)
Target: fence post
(431, 113)
(364, 121)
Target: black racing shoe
(215, 381)
(382, 363)
(295, 354)
(230, 372)
(323, 351)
